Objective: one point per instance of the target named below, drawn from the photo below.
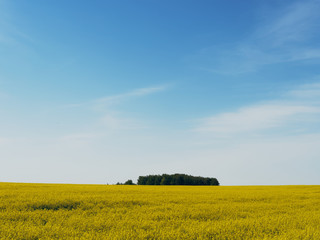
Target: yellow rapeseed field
(53, 211)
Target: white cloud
(10, 33)
(295, 23)
(131, 94)
(306, 92)
(301, 108)
(115, 120)
(286, 35)
(276, 160)
(107, 101)
(101, 153)
(107, 122)
(254, 118)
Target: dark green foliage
(142, 180)
(176, 179)
(129, 182)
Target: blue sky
(104, 91)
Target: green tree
(129, 182)
(176, 179)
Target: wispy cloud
(119, 98)
(11, 36)
(108, 118)
(114, 120)
(293, 24)
(129, 95)
(286, 35)
(300, 108)
(309, 92)
(10, 33)
(255, 118)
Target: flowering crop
(58, 211)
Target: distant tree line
(176, 179)
(128, 182)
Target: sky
(100, 92)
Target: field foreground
(53, 211)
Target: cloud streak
(287, 35)
(307, 92)
(10, 34)
(128, 95)
(299, 109)
(295, 23)
(108, 119)
(255, 118)
(118, 98)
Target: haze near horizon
(105, 91)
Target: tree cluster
(128, 182)
(176, 179)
